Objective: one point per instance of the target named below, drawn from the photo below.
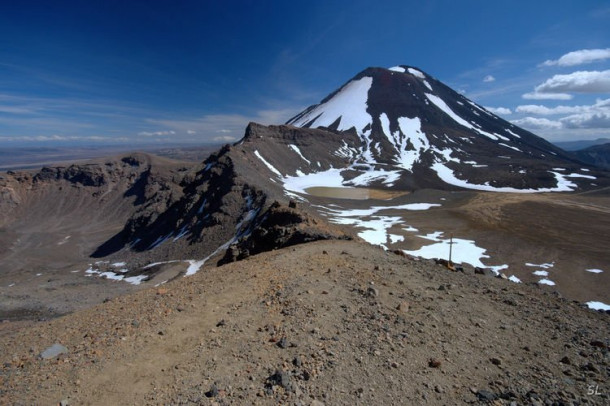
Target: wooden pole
(450, 248)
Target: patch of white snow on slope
(329, 178)
(598, 306)
(416, 73)
(374, 209)
(463, 251)
(578, 175)
(267, 164)
(397, 69)
(546, 265)
(513, 278)
(440, 103)
(447, 176)
(376, 227)
(594, 270)
(510, 146)
(546, 282)
(349, 104)
(298, 151)
(410, 130)
(134, 280)
(195, 265)
(365, 179)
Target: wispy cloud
(157, 133)
(547, 96)
(220, 127)
(488, 79)
(56, 137)
(580, 57)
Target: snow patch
(463, 251)
(594, 270)
(134, 280)
(510, 146)
(267, 164)
(598, 306)
(298, 151)
(376, 227)
(329, 178)
(578, 175)
(546, 282)
(349, 105)
(545, 265)
(416, 73)
(194, 266)
(447, 176)
(397, 69)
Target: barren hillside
(319, 323)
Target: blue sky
(141, 72)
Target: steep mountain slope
(597, 155)
(416, 132)
(580, 144)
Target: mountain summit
(417, 132)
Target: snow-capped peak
(406, 119)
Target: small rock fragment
(283, 343)
(403, 307)
(53, 351)
(486, 395)
(434, 363)
(213, 392)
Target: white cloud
(547, 96)
(601, 105)
(156, 133)
(578, 82)
(224, 138)
(488, 79)
(56, 137)
(230, 126)
(587, 120)
(580, 57)
(534, 123)
(499, 110)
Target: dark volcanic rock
(281, 226)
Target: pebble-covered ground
(328, 323)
